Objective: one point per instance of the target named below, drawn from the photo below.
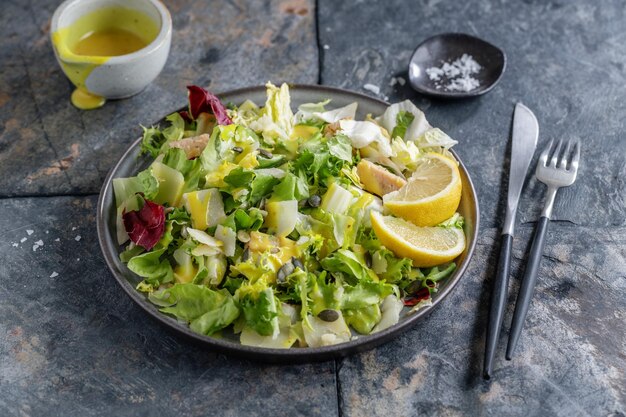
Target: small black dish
(448, 47)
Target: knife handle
(498, 300)
(528, 285)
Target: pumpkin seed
(266, 154)
(284, 272)
(328, 315)
(315, 200)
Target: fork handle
(528, 285)
(498, 301)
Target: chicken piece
(331, 129)
(378, 180)
(193, 146)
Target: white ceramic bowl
(125, 75)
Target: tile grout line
(53, 195)
(337, 363)
(320, 49)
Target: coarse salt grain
(326, 47)
(54, 274)
(57, 239)
(15, 245)
(373, 88)
(22, 240)
(30, 232)
(73, 228)
(456, 75)
(39, 242)
(77, 238)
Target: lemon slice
(426, 246)
(431, 195)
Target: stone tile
(566, 62)
(570, 361)
(74, 344)
(53, 148)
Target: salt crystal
(77, 238)
(57, 239)
(23, 240)
(30, 232)
(35, 247)
(401, 81)
(73, 228)
(373, 88)
(326, 47)
(54, 274)
(47, 232)
(39, 242)
(15, 245)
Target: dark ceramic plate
(130, 163)
(447, 47)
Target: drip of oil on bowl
(95, 38)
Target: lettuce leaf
(290, 187)
(239, 177)
(340, 147)
(149, 265)
(403, 120)
(259, 307)
(433, 139)
(251, 219)
(206, 310)
(363, 319)
(349, 264)
(365, 293)
(152, 141)
(456, 221)
(417, 127)
(365, 133)
(176, 129)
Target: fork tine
(555, 155)
(574, 165)
(565, 155)
(543, 158)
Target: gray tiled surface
(75, 344)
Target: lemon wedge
(425, 246)
(431, 195)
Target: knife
(524, 142)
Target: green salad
(254, 220)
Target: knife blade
(524, 141)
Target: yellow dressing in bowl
(93, 39)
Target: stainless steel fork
(559, 171)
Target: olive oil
(109, 42)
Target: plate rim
(291, 355)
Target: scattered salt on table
(373, 88)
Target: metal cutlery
(524, 142)
(559, 171)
